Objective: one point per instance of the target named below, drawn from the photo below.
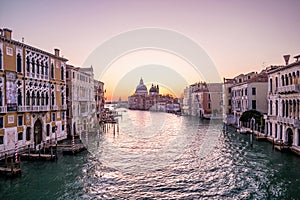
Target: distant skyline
(238, 36)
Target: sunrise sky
(171, 43)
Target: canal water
(162, 156)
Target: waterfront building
(228, 117)
(99, 99)
(283, 117)
(32, 95)
(142, 100)
(81, 99)
(248, 92)
(203, 100)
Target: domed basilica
(142, 100)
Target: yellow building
(32, 95)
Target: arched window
(47, 99)
(48, 129)
(37, 67)
(33, 99)
(276, 105)
(19, 98)
(286, 80)
(1, 97)
(282, 80)
(0, 59)
(42, 68)
(33, 65)
(38, 98)
(283, 108)
(62, 99)
(27, 64)
(27, 98)
(46, 69)
(43, 99)
(53, 99)
(19, 63)
(52, 70)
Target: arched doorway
(289, 134)
(38, 132)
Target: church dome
(153, 89)
(141, 89)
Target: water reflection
(163, 157)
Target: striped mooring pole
(16, 152)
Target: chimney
(286, 59)
(7, 33)
(56, 52)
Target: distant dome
(141, 89)
(153, 89)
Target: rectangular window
(63, 115)
(253, 91)
(53, 116)
(63, 127)
(20, 136)
(1, 122)
(254, 104)
(229, 102)
(20, 120)
(1, 139)
(67, 74)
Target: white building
(248, 92)
(283, 117)
(81, 111)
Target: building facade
(204, 100)
(248, 92)
(32, 95)
(142, 100)
(283, 117)
(81, 111)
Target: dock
(12, 169)
(36, 156)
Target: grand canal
(162, 156)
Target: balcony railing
(3, 109)
(54, 107)
(33, 108)
(291, 121)
(289, 88)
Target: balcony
(295, 88)
(54, 107)
(291, 121)
(24, 108)
(3, 109)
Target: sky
(171, 43)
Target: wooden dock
(12, 169)
(35, 156)
(8, 171)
